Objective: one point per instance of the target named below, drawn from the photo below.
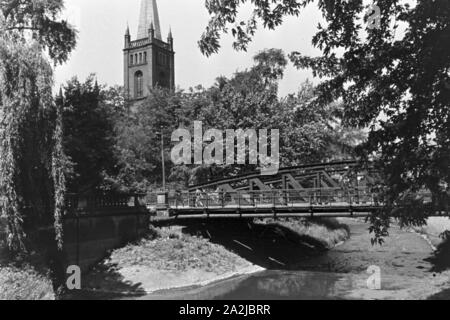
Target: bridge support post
(82, 203)
(163, 200)
(162, 206)
(285, 187)
(222, 198)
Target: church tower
(148, 60)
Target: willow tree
(31, 159)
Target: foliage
(394, 80)
(88, 134)
(248, 100)
(61, 169)
(39, 20)
(315, 133)
(31, 163)
(138, 143)
(26, 133)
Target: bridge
(338, 189)
(94, 224)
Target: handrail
(77, 201)
(275, 198)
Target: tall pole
(163, 161)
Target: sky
(101, 26)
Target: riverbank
(282, 259)
(407, 265)
(434, 230)
(321, 234)
(194, 255)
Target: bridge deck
(329, 202)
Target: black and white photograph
(224, 156)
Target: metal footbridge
(339, 189)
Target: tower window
(138, 84)
(145, 57)
(140, 57)
(131, 59)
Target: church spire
(149, 15)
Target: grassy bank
(166, 259)
(170, 250)
(19, 280)
(183, 256)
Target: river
(404, 262)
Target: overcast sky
(102, 24)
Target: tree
(32, 173)
(26, 131)
(138, 142)
(37, 19)
(247, 100)
(394, 83)
(88, 135)
(315, 133)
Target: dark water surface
(267, 285)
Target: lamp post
(163, 196)
(163, 160)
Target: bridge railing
(275, 198)
(83, 202)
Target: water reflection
(270, 285)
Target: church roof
(149, 14)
